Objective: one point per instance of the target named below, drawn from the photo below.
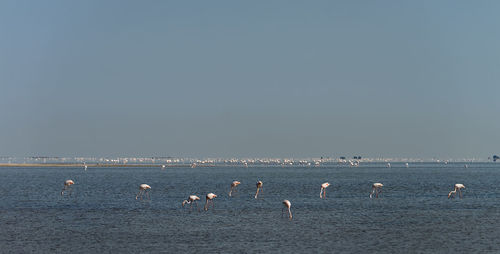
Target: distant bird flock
(209, 198)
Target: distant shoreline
(78, 165)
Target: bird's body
(259, 187)
(288, 205)
(191, 199)
(67, 186)
(143, 188)
(233, 187)
(322, 193)
(376, 189)
(458, 187)
(210, 198)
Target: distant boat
(495, 158)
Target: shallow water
(412, 215)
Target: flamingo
(67, 186)
(388, 165)
(162, 166)
(322, 193)
(287, 204)
(143, 188)
(210, 198)
(233, 187)
(192, 199)
(458, 187)
(259, 187)
(376, 189)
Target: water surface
(413, 214)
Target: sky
(417, 79)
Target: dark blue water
(413, 214)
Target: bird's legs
(66, 188)
(231, 191)
(460, 193)
(321, 193)
(147, 194)
(257, 193)
(289, 213)
(139, 195)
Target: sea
(412, 214)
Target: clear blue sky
(254, 78)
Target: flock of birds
(209, 198)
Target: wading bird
(210, 198)
(143, 188)
(376, 189)
(322, 193)
(458, 187)
(259, 187)
(192, 199)
(233, 187)
(287, 204)
(67, 186)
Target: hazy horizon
(250, 79)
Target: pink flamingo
(376, 189)
(210, 198)
(143, 188)
(259, 187)
(67, 186)
(322, 193)
(287, 204)
(192, 199)
(233, 187)
(458, 187)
